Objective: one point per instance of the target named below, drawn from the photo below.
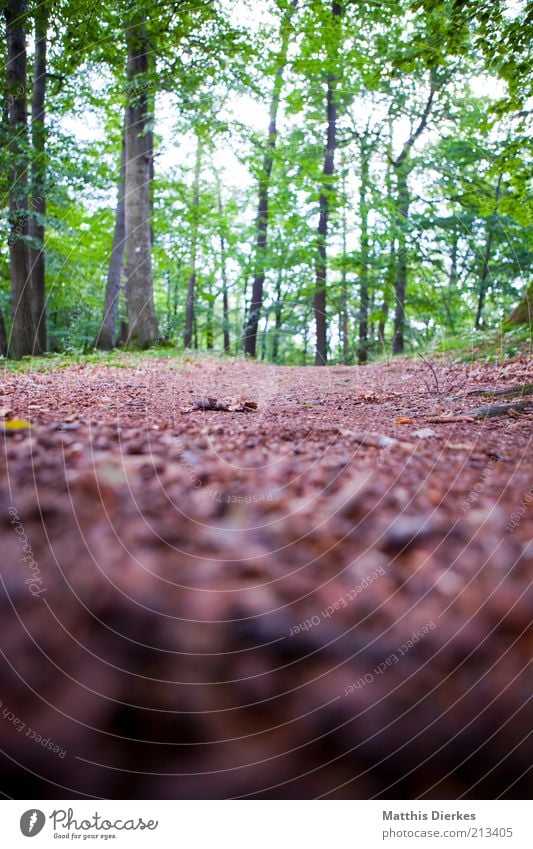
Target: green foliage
(212, 72)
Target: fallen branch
(500, 409)
(484, 412)
(524, 389)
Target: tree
(223, 270)
(142, 322)
(326, 188)
(106, 335)
(402, 167)
(523, 312)
(191, 283)
(487, 254)
(24, 340)
(250, 332)
(38, 179)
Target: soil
(326, 596)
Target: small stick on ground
(450, 419)
(432, 371)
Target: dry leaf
(12, 425)
(233, 405)
(403, 420)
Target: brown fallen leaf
(403, 420)
(234, 405)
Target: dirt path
(309, 599)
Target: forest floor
(328, 595)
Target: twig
(499, 409)
(432, 370)
(450, 419)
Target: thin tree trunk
(485, 268)
(139, 281)
(403, 167)
(385, 305)
(343, 328)
(106, 336)
(452, 279)
(223, 274)
(3, 336)
(321, 354)
(362, 354)
(278, 314)
(209, 332)
(256, 304)
(38, 179)
(400, 281)
(191, 284)
(23, 331)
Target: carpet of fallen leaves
(325, 596)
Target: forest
(295, 181)
(266, 479)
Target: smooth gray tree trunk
(106, 336)
(191, 283)
(142, 321)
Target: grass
(119, 358)
(486, 347)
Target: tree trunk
(343, 324)
(139, 282)
(452, 279)
(23, 331)
(278, 314)
(191, 284)
(209, 330)
(256, 304)
(3, 336)
(362, 354)
(106, 335)
(38, 179)
(400, 280)
(403, 168)
(523, 312)
(485, 268)
(321, 354)
(223, 274)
